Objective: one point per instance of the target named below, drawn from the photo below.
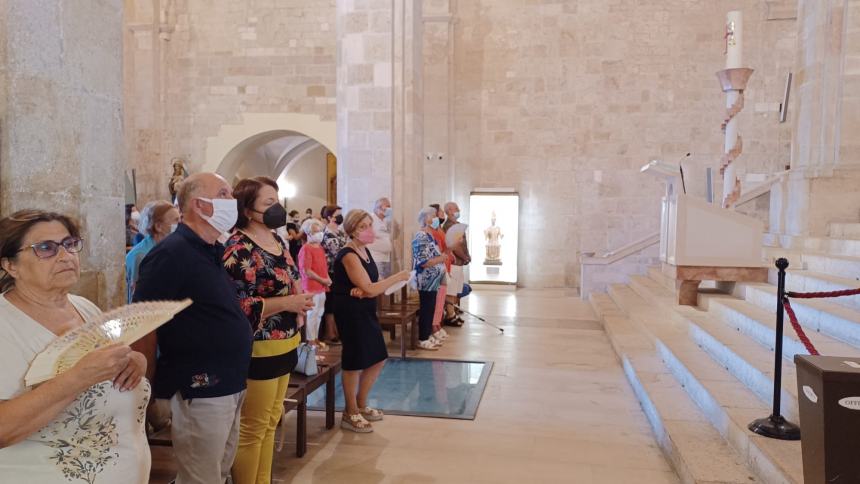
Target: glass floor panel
(422, 388)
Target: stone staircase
(703, 374)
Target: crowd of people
(258, 277)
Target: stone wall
(565, 101)
(194, 66)
(561, 100)
(61, 140)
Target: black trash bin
(828, 391)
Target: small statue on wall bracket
(493, 235)
(179, 174)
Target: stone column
(61, 142)
(379, 124)
(825, 150)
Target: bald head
(203, 185)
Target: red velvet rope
(816, 295)
(801, 335)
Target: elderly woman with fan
(85, 424)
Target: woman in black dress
(355, 286)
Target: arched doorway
(299, 163)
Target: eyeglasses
(49, 248)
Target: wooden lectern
(700, 241)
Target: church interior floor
(557, 408)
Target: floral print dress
(98, 439)
(259, 274)
(333, 242)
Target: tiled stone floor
(557, 409)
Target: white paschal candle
(734, 39)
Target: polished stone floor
(556, 409)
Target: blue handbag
(307, 364)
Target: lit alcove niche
(493, 236)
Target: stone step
(795, 258)
(760, 326)
(749, 362)
(832, 246)
(845, 247)
(819, 315)
(845, 230)
(696, 450)
(846, 267)
(727, 404)
(810, 281)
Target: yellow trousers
(261, 411)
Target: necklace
(273, 247)
(364, 257)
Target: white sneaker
(444, 333)
(436, 340)
(428, 345)
(438, 336)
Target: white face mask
(315, 238)
(224, 213)
(173, 228)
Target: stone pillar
(148, 31)
(61, 138)
(825, 150)
(827, 91)
(379, 124)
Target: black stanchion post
(776, 426)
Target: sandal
(357, 423)
(371, 414)
(455, 322)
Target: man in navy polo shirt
(204, 351)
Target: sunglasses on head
(49, 248)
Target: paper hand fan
(123, 325)
(454, 233)
(397, 286)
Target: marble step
(749, 362)
(727, 404)
(846, 247)
(760, 326)
(698, 453)
(819, 315)
(831, 246)
(810, 281)
(846, 267)
(845, 230)
(771, 254)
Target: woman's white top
(99, 438)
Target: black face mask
(275, 216)
(338, 220)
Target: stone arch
(223, 152)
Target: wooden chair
(402, 313)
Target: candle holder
(733, 82)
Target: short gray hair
(378, 204)
(426, 215)
(309, 224)
(186, 192)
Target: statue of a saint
(493, 235)
(179, 174)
